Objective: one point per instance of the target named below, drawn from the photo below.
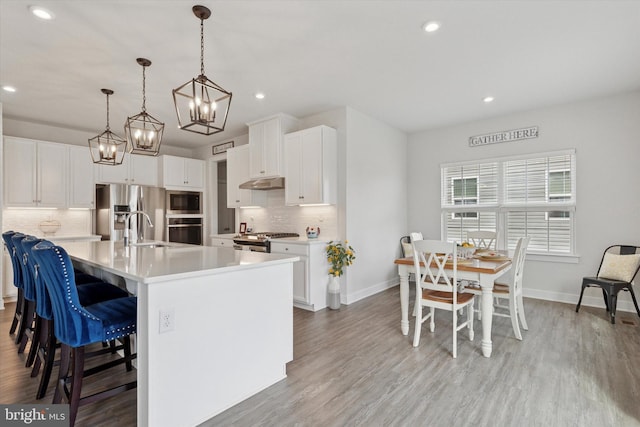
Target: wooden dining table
(485, 271)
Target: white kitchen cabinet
(81, 178)
(311, 166)
(265, 145)
(9, 291)
(181, 173)
(35, 173)
(135, 169)
(237, 173)
(310, 274)
(222, 242)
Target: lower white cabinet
(310, 274)
(221, 242)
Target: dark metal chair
(615, 273)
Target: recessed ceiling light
(8, 88)
(487, 99)
(431, 26)
(259, 95)
(41, 12)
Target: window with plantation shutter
(518, 196)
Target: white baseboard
(371, 290)
(592, 296)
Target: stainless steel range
(258, 242)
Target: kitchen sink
(150, 245)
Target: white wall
(605, 133)
(376, 200)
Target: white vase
(333, 290)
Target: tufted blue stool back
(76, 325)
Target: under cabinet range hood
(275, 183)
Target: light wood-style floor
(352, 367)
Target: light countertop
(147, 264)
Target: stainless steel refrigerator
(114, 201)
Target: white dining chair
(439, 289)
(510, 291)
(483, 239)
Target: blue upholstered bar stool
(17, 280)
(27, 323)
(27, 309)
(43, 348)
(77, 326)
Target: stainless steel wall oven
(183, 229)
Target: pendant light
(107, 148)
(143, 131)
(202, 105)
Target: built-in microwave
(184, 202)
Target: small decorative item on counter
(313, 232)
(49, 227)
(339, 256)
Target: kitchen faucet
(126, 224)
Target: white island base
(232, 321)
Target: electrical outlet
(167, 320)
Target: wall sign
(504, 136)
(221, 148)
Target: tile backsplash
(278, 217)
(73, 222)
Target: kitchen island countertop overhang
(232, 323)
(153, 261)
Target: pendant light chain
(202, 47)
(107, 111)
(144, 92)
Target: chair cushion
(118, 317)
(408, 249)
(619, 267)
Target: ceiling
(310, 56)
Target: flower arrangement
(340, 256)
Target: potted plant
(340, 255)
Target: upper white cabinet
(182, 173)
(35, 173)
(81, 178)
(237, 173)
(265, 145)
(135, 169)
(311, 166)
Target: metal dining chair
(618, 268)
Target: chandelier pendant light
(107, 148)
(143, 131)
(202, 106)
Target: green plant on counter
(339, 255)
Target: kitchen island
(215, 325)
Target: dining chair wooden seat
(510, 291)
(437, 287)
